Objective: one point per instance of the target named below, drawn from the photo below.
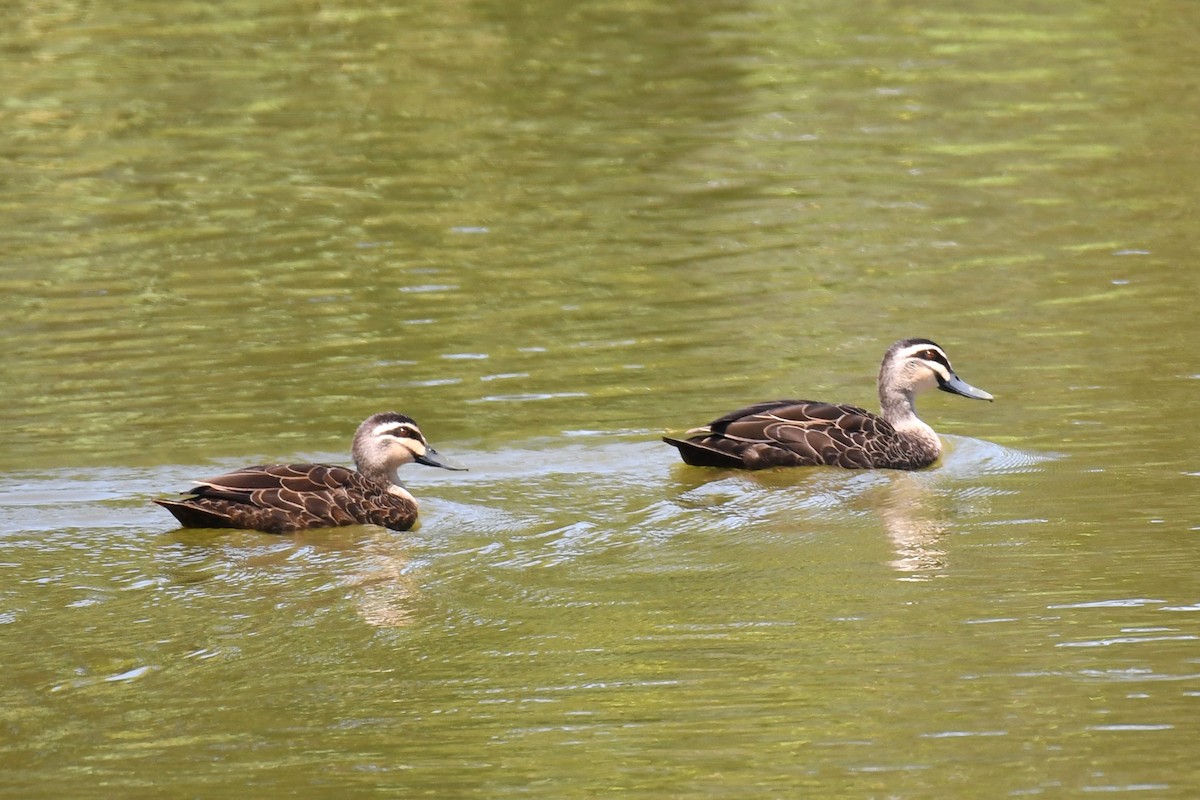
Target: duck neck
(399, 491)
(899, 409)
(385, 476)
(378, 473)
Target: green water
(551, 232)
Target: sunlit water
(551, 234)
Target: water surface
(551, 233)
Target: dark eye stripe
(934, 356)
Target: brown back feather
(800, 433)
(279, 498)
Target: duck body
(283, 498)
(804, 433)
(801, 433)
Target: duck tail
(192, 516)
(699, 454)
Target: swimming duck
(798, 433)
(281, 498)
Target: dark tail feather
(190, 516)
(702, 455)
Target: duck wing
(790, 433)
(278, 498)
(247, 483)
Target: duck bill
(432, 459)
(957, 385)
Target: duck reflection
(386, 587)
(911, 507)
(373, 564)
(367, 567)
(906, 506)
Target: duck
(284, 498)
(802, 433)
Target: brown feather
(279, 498)
(800, 433)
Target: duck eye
(931, 355)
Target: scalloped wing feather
(280, 498)
(794, 433)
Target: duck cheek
(402, 454)
(927, 380)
